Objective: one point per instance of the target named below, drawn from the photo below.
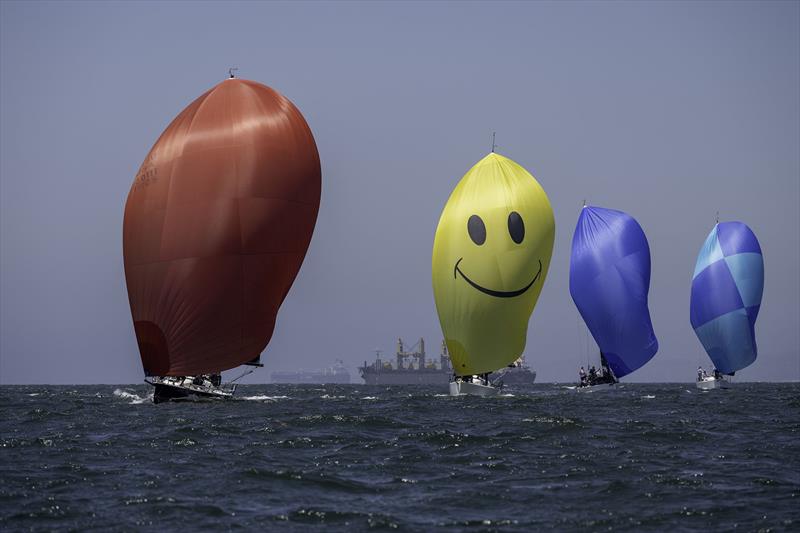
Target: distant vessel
(491, 253)
(727, 285)
(517, 373)
(411, 367)
(609, 279)
(336, 374)
(217, 223)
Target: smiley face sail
(491, 253)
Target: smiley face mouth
(497, 294)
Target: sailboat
(727, 285)
(609, 281)
(217, 223)
(490, 258)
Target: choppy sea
(304, 458)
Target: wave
(135, 399)
(263, 398)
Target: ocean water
(304, 458)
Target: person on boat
(700, 373)
(592, 375)
(582, 376)
(717, 374)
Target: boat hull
(597, 388)
(170, 390)
(711, 383)
(459, 388)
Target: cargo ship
(336, 374)
(411, 367)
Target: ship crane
(412, 353)
(444, 357)
(412, 367)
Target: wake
(135, 399)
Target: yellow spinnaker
(490, 258)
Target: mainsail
(217, 223)
(491, 253)
(727, 285)
(609, 279)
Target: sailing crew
(592, 375)
(700, 373)
(582, 376)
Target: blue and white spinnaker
(727, 285)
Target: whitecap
(134, 398)
(263, 397)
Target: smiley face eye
(516, 228)
(476, 230)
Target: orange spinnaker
(217, 223)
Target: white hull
(458, 388)
(597, 388)
(713, 383)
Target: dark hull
(517, 376)
(405, 377)
(167, 393)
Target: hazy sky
(669, 111)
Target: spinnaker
(217, 223)
(727, 285)
(491, 253)
(609, 281)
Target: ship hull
(309, 379)
(406, 377)
(515, 376)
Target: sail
(217, 223)
(609, 279)
(491, 253)
(727, 285)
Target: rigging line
(245, 373)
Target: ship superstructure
(517, 373)
(411, 367)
